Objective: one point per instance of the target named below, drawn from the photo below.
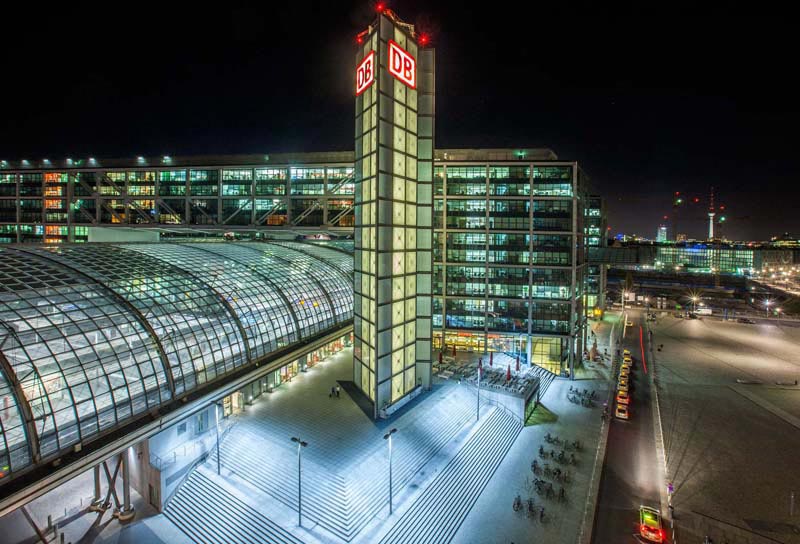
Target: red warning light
(666, 217)
(379, 7)
(696, 200)
(677, 193)
(423, 39)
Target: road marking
(641, 344)
(766, 405)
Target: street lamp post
(623, 300)
(300, 445)
(216, 418)
(478, 405)
(388, 436)
(694, 304)
(767, 303)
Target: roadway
(631, 474)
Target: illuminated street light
(300, 446)
(767, 303)
(388, 436)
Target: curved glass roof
(94, 335)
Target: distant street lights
(300, 445)
(388, 436)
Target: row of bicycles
(551, 476)
(581, 396)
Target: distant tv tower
(711, 214)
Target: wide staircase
(345, 502)
(439, 511)
(209, 514)
(545, 379)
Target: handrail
(495, 402)
(192, 466)
(201, 459)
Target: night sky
(650, 102)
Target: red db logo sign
(365, 73)
(402, 65)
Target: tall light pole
(623, 300)
(767, 302)
(694, 304)
(478, 405)
(388, 436)
(216, 419)
(300, 445)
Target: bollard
(62, 538)
(49, 522)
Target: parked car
(745, 320)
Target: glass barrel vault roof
(94, 335)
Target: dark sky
(650, 101)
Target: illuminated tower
(711, 214)
(394, 132)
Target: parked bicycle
(531, 508)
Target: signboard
(402, 65)
(365, 73)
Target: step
(206, 512)
(438, 513)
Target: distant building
(661, 236)
(680, 237)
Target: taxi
(650, 524)
(626, 353)
(624, 372)
(623, 397)
(622, 412)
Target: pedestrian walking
(541, 514)
(338, 390)
(332, 393)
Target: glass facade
(595, 231)
(707, 258)
(64, 202)
(94, 336)
(509, 259)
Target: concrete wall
(143, 475)
(513, 403)
(177, 448)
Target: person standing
(338, 389)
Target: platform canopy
(93, 336)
